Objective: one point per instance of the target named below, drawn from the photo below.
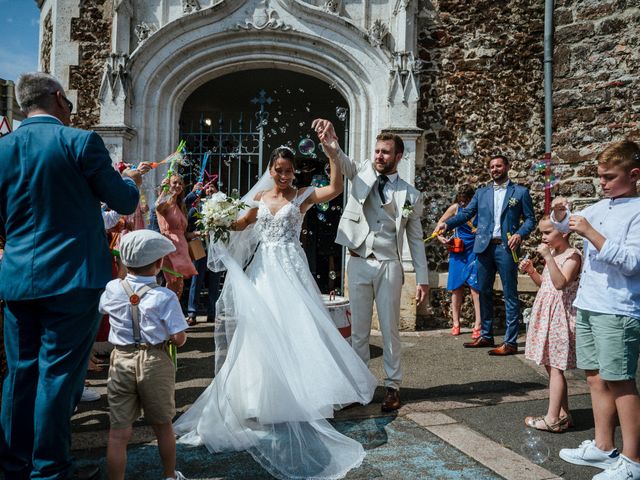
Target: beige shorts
(141, 380)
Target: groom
(381, 206)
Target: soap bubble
(227, 162)
(304, 232)
(323, 207)
(539, 167)
(333, 275)
(534, 448)
(321, 217)
(341, 113)
(306, 146)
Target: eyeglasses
(66, 100)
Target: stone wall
(596, 87)
(45, 46)
(92, 31)
(481, 94)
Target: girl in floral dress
(551, 333)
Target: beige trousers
(380, 281)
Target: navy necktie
(382, 181)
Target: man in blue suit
(505, 218)
(56, 263)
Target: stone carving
(124, 5)
(332, 6)
(404, 85)
(189, 6)
(115, 77)
(377, 32)
(400, 4)
(263, 18)
(144, 30)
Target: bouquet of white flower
(218, 214)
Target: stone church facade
(457, 79)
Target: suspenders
(134, 300)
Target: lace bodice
(282, 227)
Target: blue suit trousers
(496, 258)
(197, 281)
(47, 342)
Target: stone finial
(189, 6)
(377, 32)
(332, 6)
(264, 18)
(115, 77)
(143, 31)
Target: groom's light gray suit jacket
(354, 228)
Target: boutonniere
(407, 209)
(513, 202)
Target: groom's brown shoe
(480, 343)
(504, 349)
(391, 400)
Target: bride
(281, 365)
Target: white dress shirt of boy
(160, 312)
(610, 278)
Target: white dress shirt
(160, 312)
(498, 200)
(389, 187)
(610, 278)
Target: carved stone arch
(186, 54)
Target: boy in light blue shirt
(608, 312)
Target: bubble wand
(176, 155)
(431, 237)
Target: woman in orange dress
(172, 219)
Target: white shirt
(610, 278)
(160, 312)
(498, 200)
(389, 187)
(110, 219)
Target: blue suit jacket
(52, 179)
(517, 215)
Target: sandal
(567, 421)
(540, 423)
(475, 334)
(191, 321)
(455, 331)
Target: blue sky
(19, 21)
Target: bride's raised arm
(331, 191)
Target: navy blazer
(52, 179)
(516, 217)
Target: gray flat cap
(143, 247)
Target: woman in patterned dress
(551, 333)
(172, 219)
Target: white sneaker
(590, 455)
(89, 395)
(178, 476)
(623, 469)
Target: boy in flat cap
(144, 318)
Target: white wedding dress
(286, 366)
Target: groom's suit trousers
(370, 279)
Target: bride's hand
(327, 135)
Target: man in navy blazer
(56, 263)
(505, 218)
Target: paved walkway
(462, 419)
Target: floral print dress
(551, 335)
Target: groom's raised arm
(331, 147)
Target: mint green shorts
(608, 343)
